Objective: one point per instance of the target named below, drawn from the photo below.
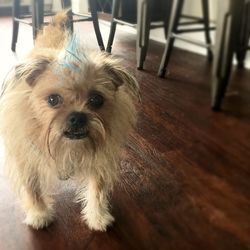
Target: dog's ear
(120, 76)
(31, 69)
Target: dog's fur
(33, 132)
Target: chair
(174, 31)
(145, 16)
(37, 19)
(232, 37)
(138, 13)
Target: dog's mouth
(75, 135)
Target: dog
(66, 113)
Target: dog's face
(78, 103)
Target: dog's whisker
(48, 144)
(47, 137)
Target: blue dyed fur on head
(74, 53)
(71, 58)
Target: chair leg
(173, 24)
(66, 4)
(37, 16)
(225, 46)
(205, 10)
(93, 10)
(40, 16)
(115, 9)
(220, 81)
(15, 14)
(244, 37)
(167, 17)
(34, 19)
(143, 29)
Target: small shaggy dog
(66, 113)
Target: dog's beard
(71, 155)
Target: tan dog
(66, 113)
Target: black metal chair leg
(228, 24)
(115, 9)
(66, 4)
(166, 56)
(244, 37)
(205, 10)
(93, 10)
(40, 16)
(173, 24)
(241, 56)
(220, 81)
(16, 14)
(143, 29)
(37, 16)
(219, 91)
(34, 20)
(167, 17)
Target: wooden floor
(186, 170)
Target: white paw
(99, 222)
(39, 219)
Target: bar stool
(37, 19)
(174, 31)
(141, 17)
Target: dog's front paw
(39, 219)
(98, 221)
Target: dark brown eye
(54, 100)
(95, 101)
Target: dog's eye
(95, 101)
(54, 100)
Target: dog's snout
(77, 119)
(76, 126)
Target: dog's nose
(77, 119)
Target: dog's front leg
(95, 205)
(38, 207)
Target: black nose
(77, 119)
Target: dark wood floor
(186, 170)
